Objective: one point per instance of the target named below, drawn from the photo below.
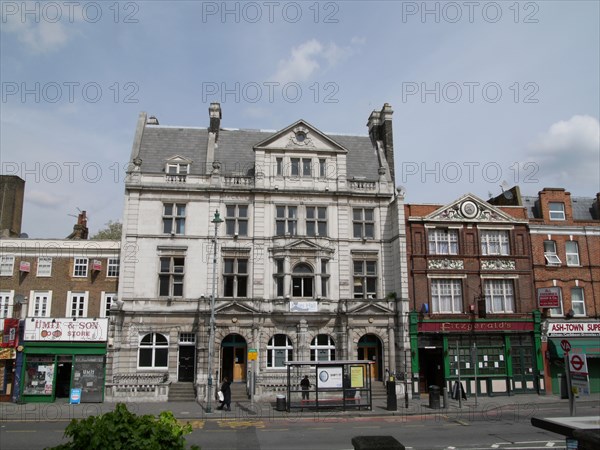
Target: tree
(112, 232)
(123, 429)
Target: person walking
(226, 390)
(305, 385)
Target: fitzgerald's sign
(66, 330)
(463, 327)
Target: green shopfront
(61, 354)
(583, 338)
(492, 356)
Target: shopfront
(9, 331)
(580, 337)
(491, 356)
(61, 354)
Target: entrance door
(431, 368)
(187, 362)
(63, 377)
(522, 364)
(369, 349)
(233, 357)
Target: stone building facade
(310, 256)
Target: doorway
(431, 366)
(63, 377)
(233, 358)
(522, 364)
(187, 355)
(370, 349)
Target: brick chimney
(12, 192)
(80, 229)
(380, 129)
(214, 113)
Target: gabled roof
(302, 245)
(315, 140)
(582, 207)
(469, 208)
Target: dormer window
(557, 211)
(177, 169)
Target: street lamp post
(211, 346)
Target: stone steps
(181, 392)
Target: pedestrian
(226, 390)
(305, 385)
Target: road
(501, 428)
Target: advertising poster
(330, 377)
(357, 376)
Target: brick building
(473, 306)
(565, 239)
(58, 293)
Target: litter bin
(434, 397)
(562, 386)
(392, 401)
(280, 406)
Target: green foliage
(112, 231)
(121, 429)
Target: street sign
(252, 354)
(578, 364)
(565, 345)
(578, 369)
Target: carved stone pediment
(469, 208)
(303, 246)
(235, 308)
(371, 308)
(300, 136)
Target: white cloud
(307, 59)
(45, 199)
(41, 37)
(569, 152)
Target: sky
(485, 95)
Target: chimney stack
(80, 229)
(214, 113)
(380, 129)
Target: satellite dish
(508, 195)
(20, 299)
(24, 236)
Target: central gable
(300, 136)
(469, 208)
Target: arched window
(279, 350)
(322, 348)
(153, 351)
(303, 281)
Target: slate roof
(583, 208)
(235, 150)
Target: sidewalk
(516, 406)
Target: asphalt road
(504, 428)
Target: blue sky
(483, 93)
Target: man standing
(305, 385)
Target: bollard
(445, 396)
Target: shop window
(39, 375)
(279, 350)
(153, 351)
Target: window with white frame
(6, 304)
(7, 264)
(279, 277)
(322, 348)
(77, 304)
(44, 266)
(286, 220)
(558, 311)
(572, 251)
(365, 278)
(446, 296)
(363, 223)
(235, 277)
(170, 277)
(236, 220)
(316, 221)
(279, 350)
(495, 242)
(108, 299)
(113, 267)
(303, 281)
(80, 267)
(41, 304)
(557, 210)
(181, 169)
(499, 296)
(443, 241)
(174, 218)
(550, 255)
(153, 351)
(578, 301)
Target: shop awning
(589, 346)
